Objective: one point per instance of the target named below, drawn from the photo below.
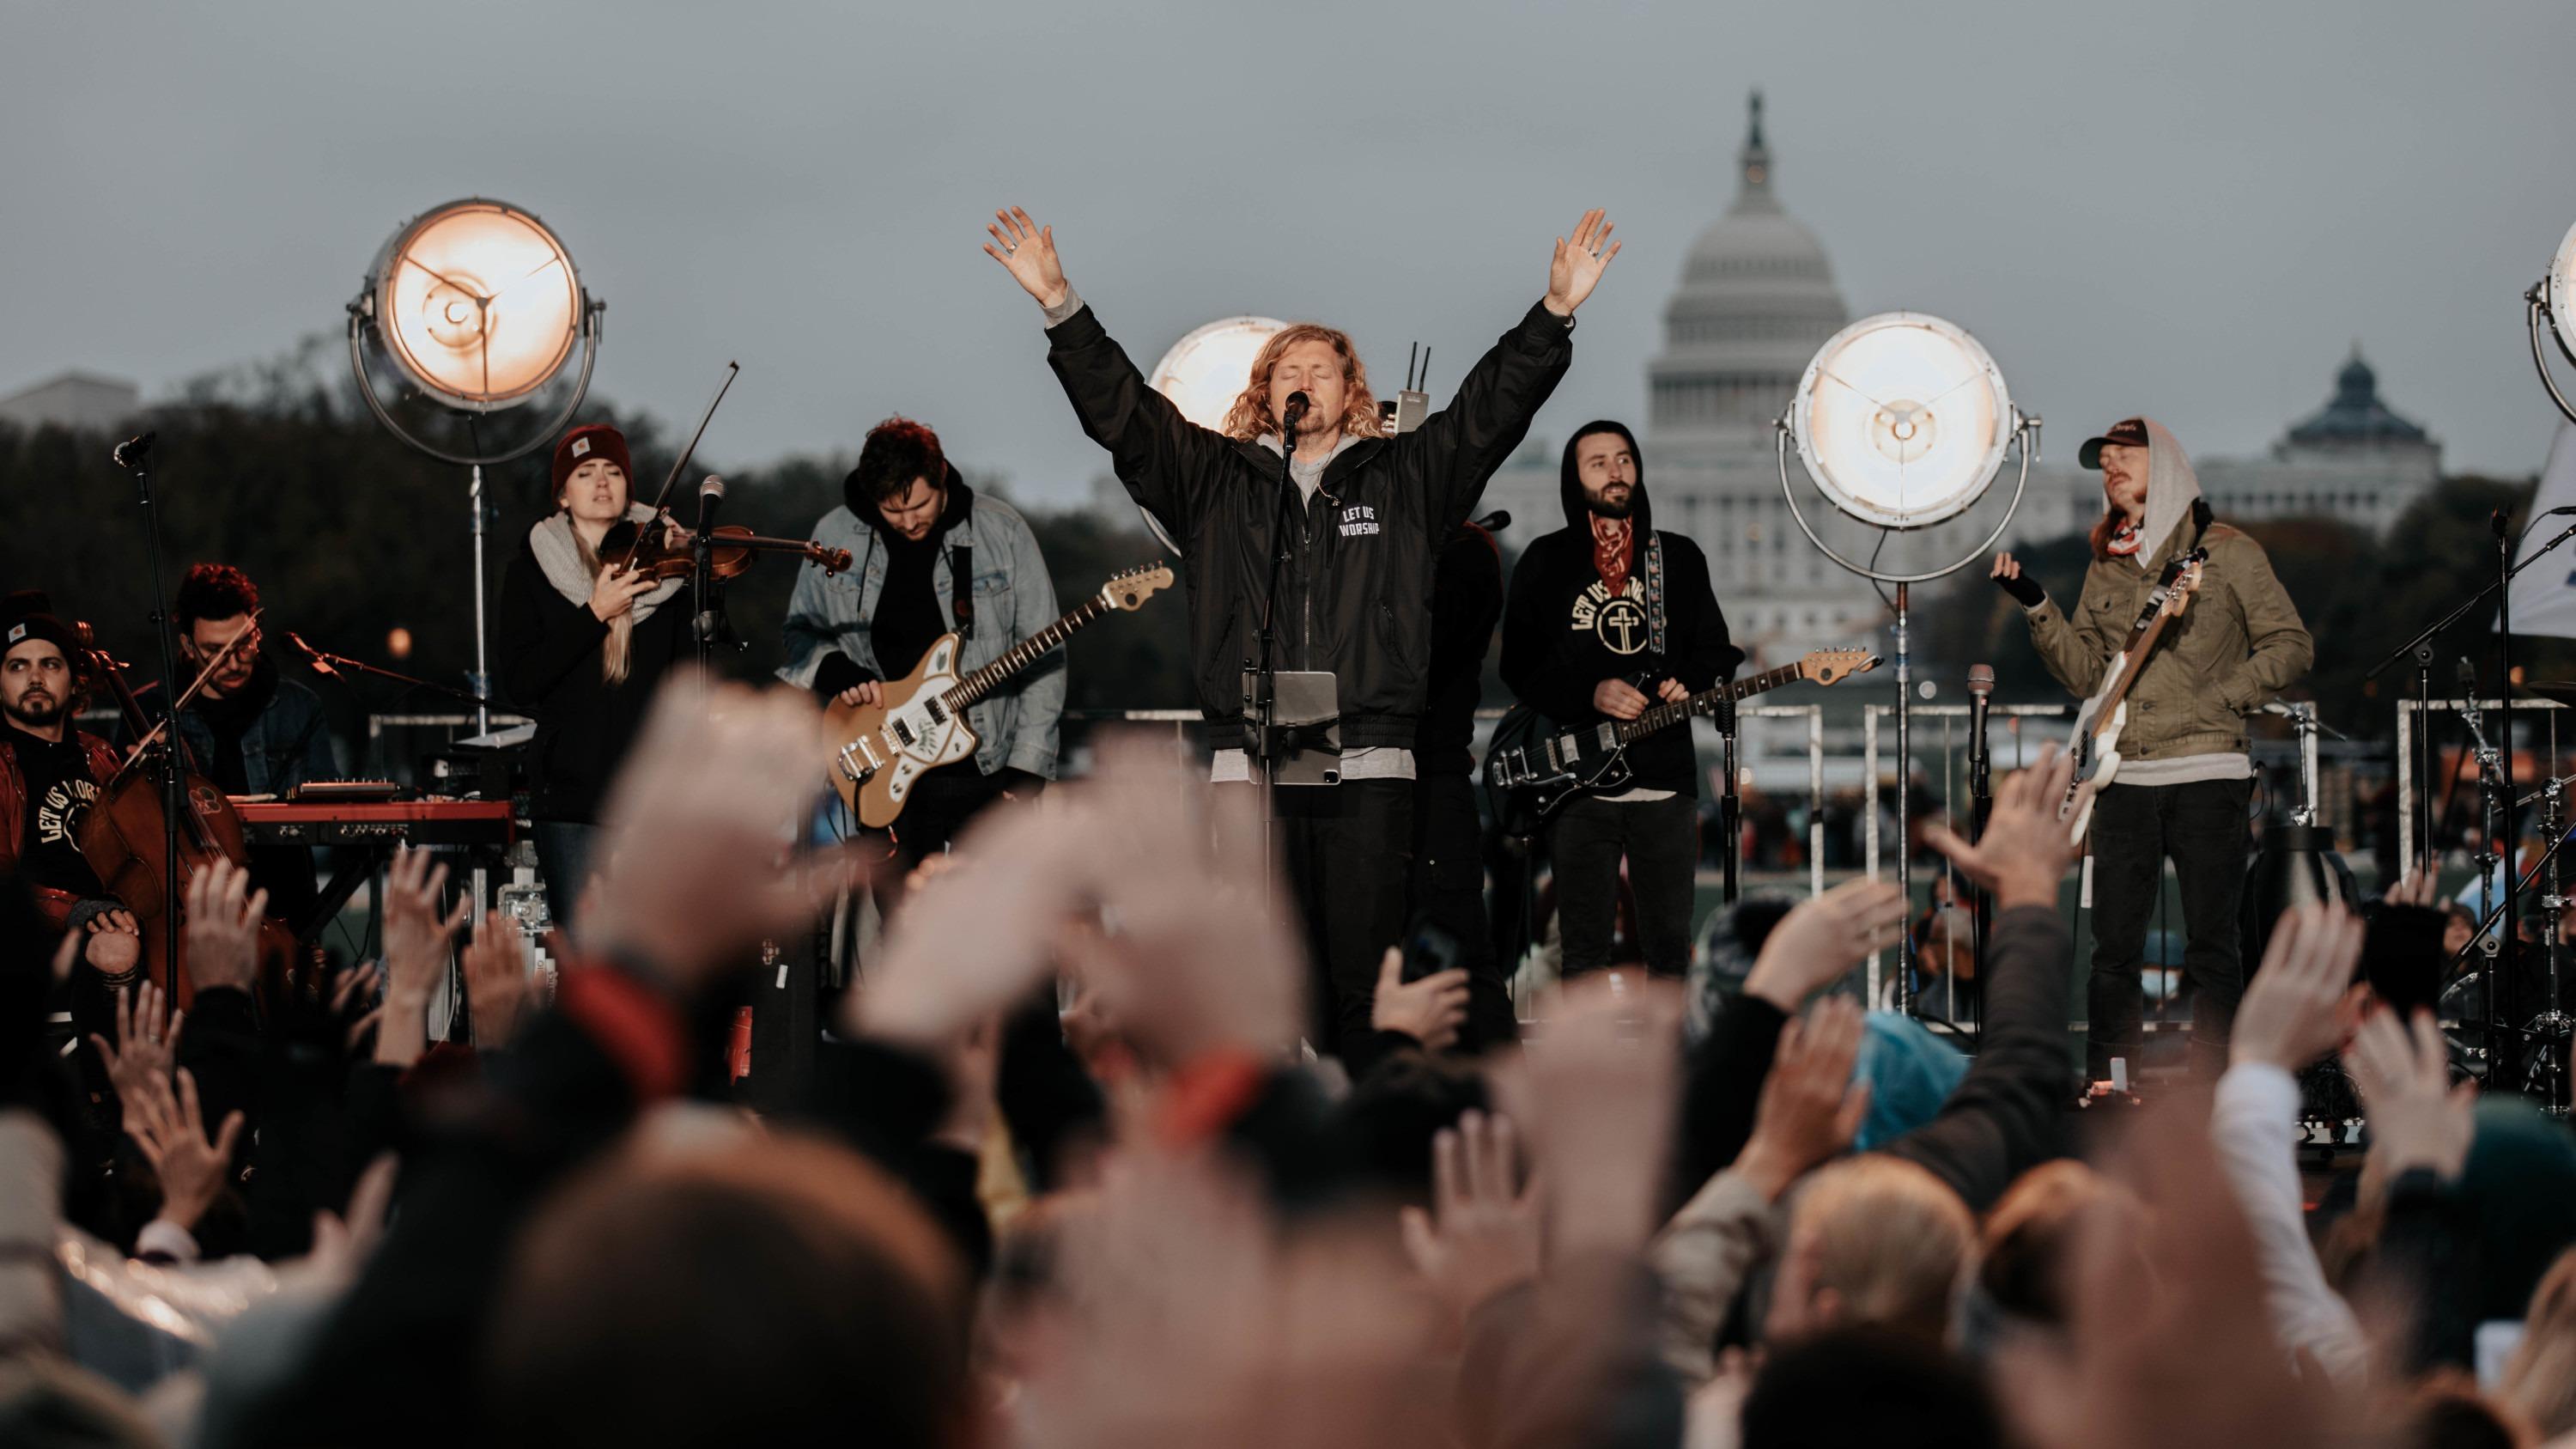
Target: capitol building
(1757, 299)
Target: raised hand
(115, 943)
(496, 981)
(1823, 937)
(170, 1129)
(2024, 852)
(1027, 251)
(418, 931)
(698, 828)
(1429, 1010)
(143, 1054)
(1600, 1078)
(1485, 1237)
(222, 929)
(1577, 266)
(2296, 1010)
(1811, 1108)
(2417, 1117)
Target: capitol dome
(1757, 299)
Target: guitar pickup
(901, 731)
(938, 711)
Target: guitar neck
(1021, 655)
(2137, 660)
(1664, 716)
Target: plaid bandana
(2124, 541)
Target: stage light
(1205, 371)
(476, 305)
(1902, 420)
(2553, 299)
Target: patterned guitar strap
(1654, 572)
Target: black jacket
(1355, 592)
(1563, 635)
(1466, 603)
(548, 665)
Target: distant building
(77, 400)
(1757, 298)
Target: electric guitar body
(921, 725)
(910, 734)
(2096, 740)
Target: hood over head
(1578, 512)
(2172, 490)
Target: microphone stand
(330, 665)
(1261, 733)
(1730, 804)
(1981, 804)
(173, 788)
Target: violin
(663, 548)
(123, 838)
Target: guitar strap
(961, 588)
(1654, 573)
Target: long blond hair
(2540, 1378)
(1251, 417)
(617, 651)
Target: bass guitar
(921, 723)
(1534, 766)
(2096, 742)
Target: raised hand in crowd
(170, 1130)
(1824, 936)
(497, 987)
(1811, 1108)
(1429, 1010)
(697, 834)
(1481, 1234)
(418, 932)
(2414, 888)
(144, 1051)
(1027, 251)
(2024, 853)
(2417, 1117)
(1577, 266)
(222, 930)
(354, 1003)
(2302, 1002)
(115, 942)
(1601, 1095)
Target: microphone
(1298, 402)
(133, 453)
(1496, 521)
(710, 493)
(320, 662)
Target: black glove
(2025, 590)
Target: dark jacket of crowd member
(1563, 632)
(1355, 592)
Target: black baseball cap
(2126, 433)
(28, 614)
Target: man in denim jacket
(911, 525)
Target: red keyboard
(406, 822)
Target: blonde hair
(1251, 417)
(1890, 1239)
(2540, 1378)
(617, 651)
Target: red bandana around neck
(1612, 541)
(2124, 541)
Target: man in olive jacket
(2185, 772)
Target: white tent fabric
(2544, 595)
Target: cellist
(50, 774)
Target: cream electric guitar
(2096, 742)
(922, 723)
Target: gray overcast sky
(2185, 207)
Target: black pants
(2201, 827)
(1660, 841)
(1449, 892)
(1347, 851)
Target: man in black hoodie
(1608, 617)
(1303, 487)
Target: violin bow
(732, 370)
(163, 723)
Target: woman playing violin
(583, 645)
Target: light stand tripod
(135, 456)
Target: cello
(123, 837)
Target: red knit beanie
(596, 440)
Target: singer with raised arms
(1355, 525)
